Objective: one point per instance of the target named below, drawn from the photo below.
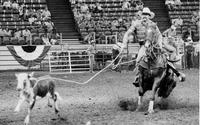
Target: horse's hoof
(150, 111)
(182, 77)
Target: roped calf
(30, 87)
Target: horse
(30, 87)
(156, 74)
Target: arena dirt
(109, 99)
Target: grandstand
(185, 12)
(73, 29)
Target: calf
(30, 87)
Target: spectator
(45, 39)
(126, 5)
(18, 33)
(196, 19)
(170, 4)
(46, 15)
(84, 8)
(98, 9)
(26, 34)
(92, 7)
(177, 22)
(21, 11)
(54, 37)
(1, 34)
(15, 5)
(39, 14)
(171, 32)
(88, 38)
(177, 3)
(88, 16)
(26, 14)
(139, 5)
(49, 26)
(91, 52)
(32, 19)
(115, 24)
(7, 4)
(188, 36)
(189, 54)
(7, 32)
(170, 42)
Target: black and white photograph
(99, 62)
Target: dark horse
(156, 74)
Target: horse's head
(23, 80)
(153, 48)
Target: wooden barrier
(68, 61)
(8, 62)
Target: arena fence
(68, 61)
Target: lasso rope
(80, 83)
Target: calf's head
(23, 81)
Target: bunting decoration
(29, 56)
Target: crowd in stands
(40, 28)
(173, 4)
(93, 18)
(184, 20)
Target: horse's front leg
(31, 105)
(154, 90)
(141, 93)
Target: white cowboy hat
(146, 10)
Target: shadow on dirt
(165, 104)
(60, 121)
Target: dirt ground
(98, 102)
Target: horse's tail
(58, 96)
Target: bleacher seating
(9, 18)
(112, 10)
(185, 12)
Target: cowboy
(141, 28)
(144, 29)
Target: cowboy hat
(146, 10)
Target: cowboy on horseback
(146, 32)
